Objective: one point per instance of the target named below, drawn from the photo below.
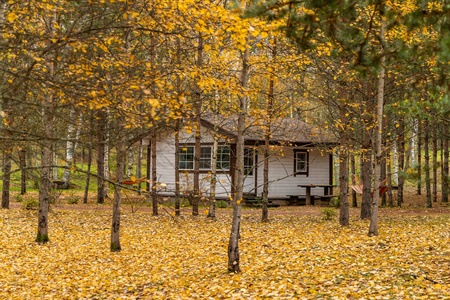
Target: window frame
(186, 161)
(305, 171)
(210, 147)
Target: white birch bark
(73, 135)
(395, 159)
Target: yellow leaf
(11, 17)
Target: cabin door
(249, 171)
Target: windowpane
(249, 155)
(205, 158)
(186, 158)
(223, 158)
(301, 161)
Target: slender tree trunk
(366, 178)
(353, 166)
(23, 171)
(101, 156)
(233, 244)
(54, 170)
(72, 137)
(373, 228)
(445, 186)
(343, 164)
(383, 176)
(419, 158)
(267, 134)
(88, 175)
(106, 173)
(139, 166)
(389, 180)
(130, 168)
(435, 163)
(395, 160)
(401, 161)
(198, 108)
(6, 177)
(177, 168)
(115, 228)
(427, 165)
(154, 175)
(213, 181)
(45, 182)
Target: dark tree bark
(419, 158)
(101, 140)
(154, 175)
(401, 161)
(389, 180)
(6, 177)
(198, 108)
(139, 166)
(23, 171)
(88, 175)
(435, 163)
(366, 177)
(343, 165)
(445, 186)
(177, 167)
(120, 164)
(427, 165)
(353, 166)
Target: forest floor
(298, 254)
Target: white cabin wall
(281, 169)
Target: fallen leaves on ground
(167, 258)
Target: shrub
(329, 213)
(18, 198)
(221, 204)
(73, 200)
(30, 203)
(335, 202)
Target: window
(249, 158)
(205, 158)
(186, 158)
(300, 162)
(223, 158)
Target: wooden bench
(297, 199)
(326, 199)
(258, 203)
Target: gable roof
(283, 130)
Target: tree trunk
(198, 108)
(101, 156)
(427, 165)
(177, 167)
(389, 180)
(88, 175)
(419, 158)
(445, 186)
(6, 177)
(130, 168)
(23, 171)
(353, 166)
(373, 228)
(401, 161)
(106, 172)
(213, 181)
(45, 182)
(139, 166)
(267, 135)
(366, 177)
(154, 174)
(395, 160)
(115, 228)
(435, 163)
(233, 244)
(72, 137)
(343, 165)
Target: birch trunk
(177, 136)
(419, 159)
(73, 135)
(139, 166)
(373, 228)
(389, 180)
(401, 161)
(233, 244)
(395, 159)
(154, 175)
(130, 167)
(6, 177)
